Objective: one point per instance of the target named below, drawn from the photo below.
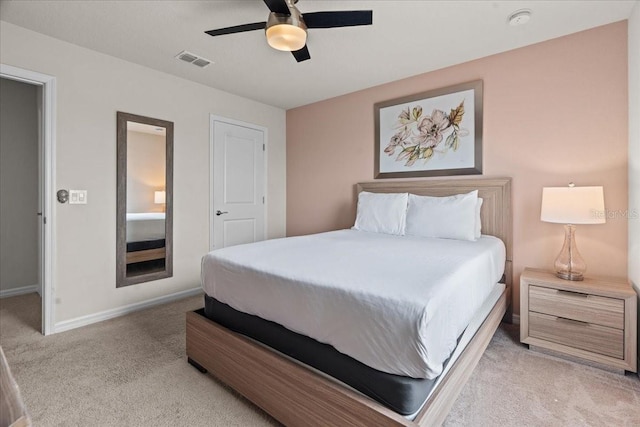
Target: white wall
(18, 186)
(146, 170)
(91, 87)
(634, 152)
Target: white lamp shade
(286, 37)
(159, 197)
(573, 205)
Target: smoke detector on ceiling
(193, 59)
(519, 17)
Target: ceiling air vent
(193, 59)
(201, 62)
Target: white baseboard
(515, 319)
(66, 325)
(4, 293)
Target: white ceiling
(406, 38)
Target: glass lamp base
(569, 264)
(570, 275)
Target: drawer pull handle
(574, 294)
(574, 322)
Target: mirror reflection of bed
(146, 249)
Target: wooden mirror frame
(121, 217)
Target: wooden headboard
(496, 205)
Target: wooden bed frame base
(298, 396)
(146, 255)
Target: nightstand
(594, 319)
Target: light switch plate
(77, 197)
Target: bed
(145, 237)
(298, 393)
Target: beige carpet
(133, 371)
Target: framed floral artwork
(434, 133)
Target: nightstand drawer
(592, 309)
(585, 336)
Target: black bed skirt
(144, 245)
(403, 395)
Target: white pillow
(478, 231)
(452, 217)
(381, 212)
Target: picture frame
(433, 133)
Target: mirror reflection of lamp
(160, 198)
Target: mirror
(145, 196)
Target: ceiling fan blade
(341, 18)
(237, 29)
(302, 54)
(278, 6)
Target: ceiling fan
(286, 28)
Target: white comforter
(395, 303)
(145, 226)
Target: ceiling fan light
(286, 37)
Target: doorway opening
(28, 149)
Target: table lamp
(160, 198)
(570, 206)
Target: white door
(41, 202)
(238, 205)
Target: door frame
(212, 120)
(47, 146)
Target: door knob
(63, 196)
(218, 213)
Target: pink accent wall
(554, 112)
